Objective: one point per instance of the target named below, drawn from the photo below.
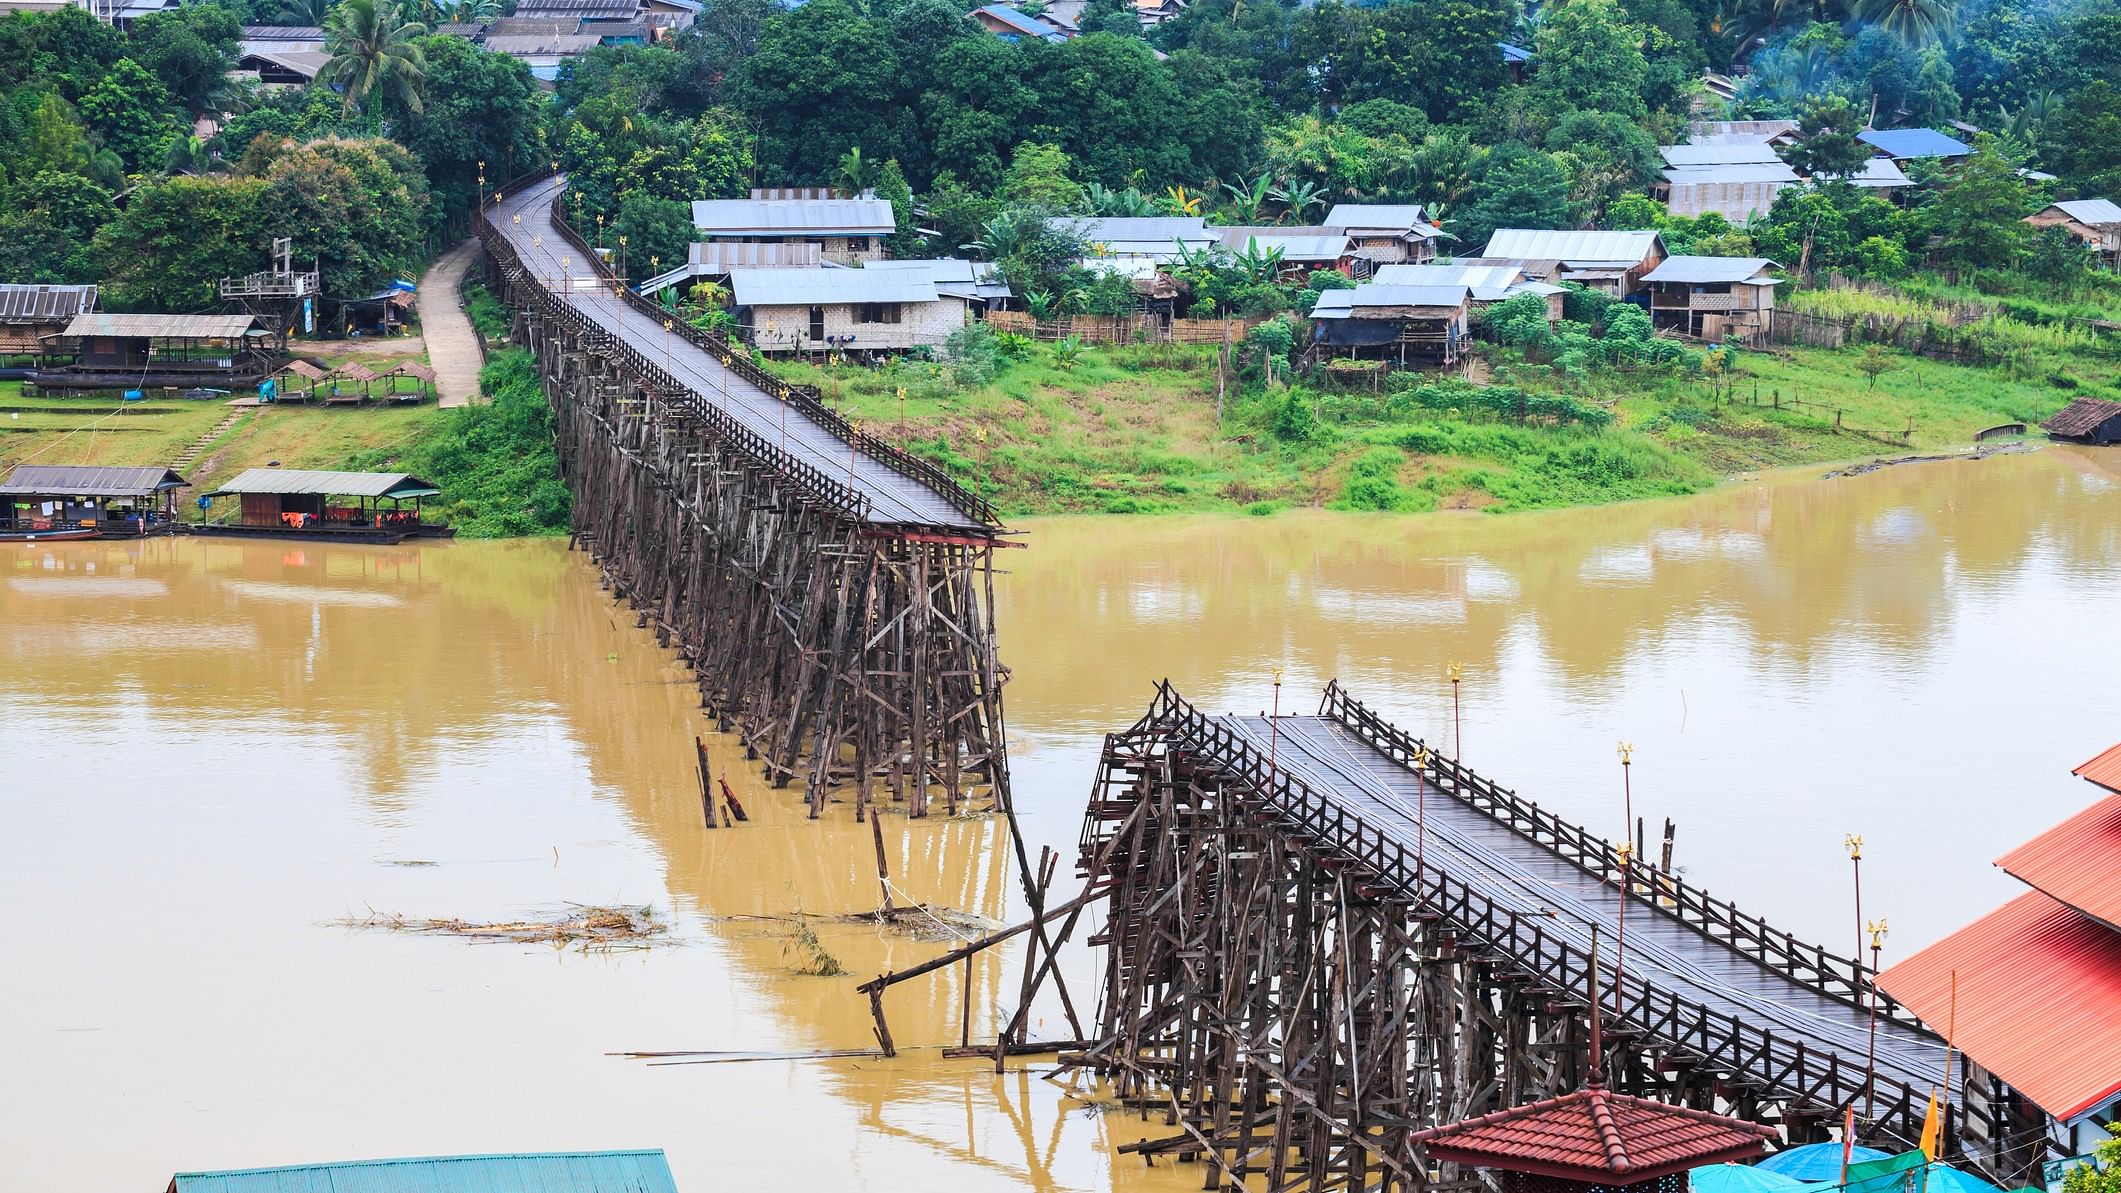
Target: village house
(77, 501)
(979, 283)
(106, 351)
(2087, 420)
(1302, 251)
(804, 226)
(29, 313)
(1737, 177)
(1516, 60)
(2093, 223)
(847, 310)
(1156, 237)
(1778, 133)
(1713, 298)
(311, 504)
(1403, 324)
(1155, 12)
(1010, 25)
(1386, 233)
(1486, 282)
(1614, 262)
(1911, 144)
(658, 16)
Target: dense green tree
(480, 107)
(177, 238)
(51, 139)
(1603, 155)
(1384, 118)
(1590, 58)
(2082, 141)
(1110, 16)
(958, 214)
(191, 49)
(977, 110)
(657, 233)
(1977, 217)
(374, 51)
(1038, 177)
(1114, 108)
(132, 113)
(1826, 144)
(1437, 57)
(67, 49)
(359, 207)
(47, 226)
(1511, 186)
(651, 77)
(722, 36)
(1914, 22)
(611, 148)
(822, 78)
(891, 186)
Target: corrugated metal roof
(1513, 54)
(169, 327)
(1535, 244)
(2038, 1003)
(543, 43)
(820, 287)
(1704, 131)
(2105, 770)
(1380, 300)
(1718, 153)
(1708, 269)
(1879, 172)
(953, 276)
(1730, 173)
(307, 63)
(1390, 217)
(1158, 230)
(1904, 143)
(332, 484)
(809, 217)
(2077, 862)
(560, 25)
(1488, 282)
(579, 8)
(1028, 26)
(1738, 202)
(559, 1172)
(81, 480)
(2092, 211)
(283, 33)
(1595, 1135)
(1293, 247)
(44, 304)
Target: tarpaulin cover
(1815, 1161)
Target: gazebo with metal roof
(86, 501)
(307, 503)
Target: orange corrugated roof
(2105, 770)
(1593, 1135)
(2039, 1000)
(2077, 862)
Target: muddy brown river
(212, 754)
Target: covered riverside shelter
(1595, 1139)
(284, 499)
(646, 1171)
(39, 498)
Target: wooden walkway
(452, 349)
(884, 484)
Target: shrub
(1293, 421)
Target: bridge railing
(1725, 1043)
(807, 483)
(805, 398)
(1841, 978)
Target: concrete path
(452, 349)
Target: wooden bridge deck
(1523, 876)
(891, 497)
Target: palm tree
(857, 174)
(372, 48)
(1297, 197)
(190, 155)
(302, 12)
(1917, 23)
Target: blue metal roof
(1904, 143)
(1513, 54)
(551, 1172)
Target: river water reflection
(214, 751)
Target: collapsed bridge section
(834, 593)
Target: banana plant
(1297, 196)
(1248, 203)
(1181, 201)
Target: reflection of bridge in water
(1320, 943)
(833, 591)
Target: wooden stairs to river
(198, 446)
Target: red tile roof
(1595, 1135)
(2039, 1000)
(2105, 770)
(2077, 862)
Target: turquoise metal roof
(548, 1172)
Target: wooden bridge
(834, 592)
(1317, 946)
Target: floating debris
(594, 929)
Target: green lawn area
(1134, 429)
(102, 430)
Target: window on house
(879, 312)
(857, 244)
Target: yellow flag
(1932, 1127)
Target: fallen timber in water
(1322, 938)
(834, 593)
